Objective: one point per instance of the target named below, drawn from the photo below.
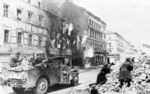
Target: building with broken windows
(27, 27)
(89, 29)
(96, 37)
(23, 26)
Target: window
(40, 20)
(90, 33)
(5, 10)
(6, 36)
(104, 36)
(109, 44)
(96, 26)
(19, 38)
(30, 39)
(94, 34)
(90, 22)
(40, 41)
(30, 14)
(97, 35)
(29, 1)
(39, 4)
(19, 11)
(100, 36)
(91, 43)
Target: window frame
(40, 41)
(30, 39)
(40, 20)
(39, 4)
(19, 18)
(109, 44)
(30, 16)
(19, 37)
(6, 36)
(5, 10)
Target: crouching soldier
(15, 60)
(101, 78)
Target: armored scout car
(56, 70)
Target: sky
(130, 18)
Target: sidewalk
(90, 68)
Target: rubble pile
(139, 85)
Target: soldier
(101, 78)
(125, 73)
(38, 59)
(15, 60)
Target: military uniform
(124, 74)
(101, 78)
(15, 61)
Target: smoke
(53, 6)
(58, 3)
(84, 37)
(89, 52)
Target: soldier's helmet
(17, 53)
(128, 59)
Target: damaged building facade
(27, 27)
(96, 37)
(23, 26)
(90, 29)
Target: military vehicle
(55, 70)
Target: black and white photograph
(74, 47)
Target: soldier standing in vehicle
(39, 58)
(15, 60)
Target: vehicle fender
(45, 76)
(74, 74)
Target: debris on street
(140, 83)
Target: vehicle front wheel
(41, 86)
(75, 81)
(18, 90)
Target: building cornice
(109, 33)
(91, 14)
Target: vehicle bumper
(15, 83)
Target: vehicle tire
(75, 81)
(41, 86)
(18, 90)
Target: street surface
(85, 78)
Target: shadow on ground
(51, 89)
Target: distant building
(145, 48)
(118, 47)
